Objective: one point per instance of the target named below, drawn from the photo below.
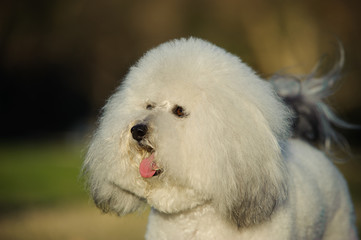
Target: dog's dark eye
(149, 107)
(179, 111)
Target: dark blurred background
(61, 60)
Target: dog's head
(190, 125)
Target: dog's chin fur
(224, 151)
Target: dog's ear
(121, 202)
(101, 170)
(262, 176)
(251, 173)
(264, 184)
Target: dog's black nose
(139, 131)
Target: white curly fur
(228, 167)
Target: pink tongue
(147, 167)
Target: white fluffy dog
(196, 134)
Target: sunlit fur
(229, 170)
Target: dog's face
(190, 125)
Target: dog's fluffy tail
(305, 95)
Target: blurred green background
(61, 60)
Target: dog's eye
(149, 107)
(179, 111)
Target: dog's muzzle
(139, 131)
(148, 167)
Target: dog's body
(318, 207)
(200, 137)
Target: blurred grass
(43, 197)
(33, 174)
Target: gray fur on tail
(305, 95)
